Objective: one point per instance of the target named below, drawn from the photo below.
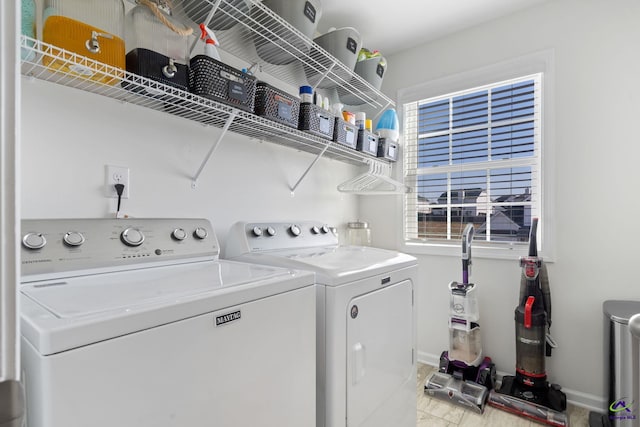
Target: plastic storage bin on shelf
(372, 69)
(90, 28)
(277, 105)
(344, 45)
(226, 15)
(345, 133)
(218, 81)
(157, 44)
(316, 120)
(367, 142)
(277, 44)
(387, 149)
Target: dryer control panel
(57, 247)
(245, 237)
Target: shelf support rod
(381, 111)
(326, 73)
(293, 189)
(213, 10)
(230, 119)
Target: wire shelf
(124, 86)
(255, 26)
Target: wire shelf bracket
(225, 128)
(293, 189)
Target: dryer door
(380, 357)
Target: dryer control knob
(132, 237)
(271, 231)
(325, 229)
(315, 230)
(200, 233)
(295, 230)
(256, 231)
(34, 241)
(179, 234)
(73, 238)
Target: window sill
(510, 252)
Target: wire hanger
(376, 181)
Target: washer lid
(61, 314)
(335, 265)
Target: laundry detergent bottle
(90, 28)
(157, 44)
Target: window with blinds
(474, 157)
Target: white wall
(69, 136)
(597, 64)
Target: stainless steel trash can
(634, 328)
(622, 403)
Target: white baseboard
(577, 398)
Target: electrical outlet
(117, 175)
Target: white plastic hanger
(376, 181)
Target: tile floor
(436, 413)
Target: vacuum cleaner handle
(467, 238)
(533, 242)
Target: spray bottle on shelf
(210, 42)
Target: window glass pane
(513, 141)
(433, 117)
(431, 187)
(514, 101)
(470, 146)
(509, 185)
(502, 228)
(470, 110)
(433, 151)
(474, 161)
(432, 220)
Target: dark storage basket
(277, 105)
(149, 64)
(387, 149)
(367, 142)
(316, 120)
(345, 133)
(217, 81)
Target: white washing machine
(366, 372)
(137, 323)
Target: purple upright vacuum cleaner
(464, 375)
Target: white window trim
(537, 62)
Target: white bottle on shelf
(210, 42)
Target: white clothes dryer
(137, 323)
(366, 374)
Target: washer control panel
(247, 237)
(56, 246)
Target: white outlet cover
(115, 175)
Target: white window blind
(474, 157)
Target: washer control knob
(315, 230)
(34, 241)
(271, 231)
(295, 230)
(132, 237)
(73, 238)
(324, 229)
(256, 231)
(179, 234)
(200, 233)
